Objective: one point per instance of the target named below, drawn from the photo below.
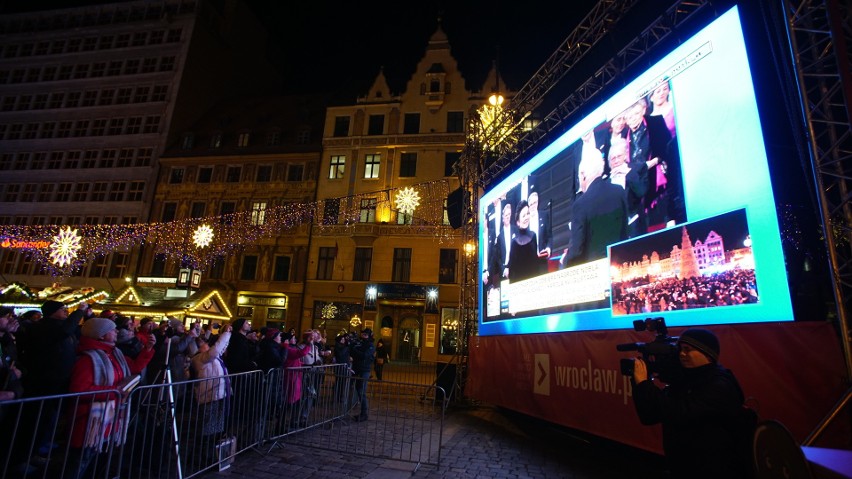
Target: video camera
(661, 354)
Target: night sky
(340, 45)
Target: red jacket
(83, 380)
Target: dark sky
(340, 45)
(345, 43)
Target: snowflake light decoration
(64, 247)
(329, 311)
(407, 200)
(203, 236)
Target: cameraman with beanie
(701, 411)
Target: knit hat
(272, 332)
(96, 328)
(50, 307)
(702, 340)
(175, 323)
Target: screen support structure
(820, 36)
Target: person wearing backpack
(700, 409)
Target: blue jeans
(361, 380)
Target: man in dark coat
(701, 410)
(599, 216)
(363, 356)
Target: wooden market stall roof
(154, 301)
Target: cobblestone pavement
(479, 442)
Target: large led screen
(658, 203)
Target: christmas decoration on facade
(407, 200)
(203, 236)
(64, 247)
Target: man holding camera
(705, 426)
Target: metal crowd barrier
(167, 430)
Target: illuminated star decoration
(64, 247)
(203, 236)
(407, 200)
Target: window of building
(401, 265)
(143, 156)
(341, 126)
(118, 267)
(325, 262)
(90, 159)
(99, 191)
(110, 220)
(117, 191)
(243, 139)
(123, 95)
(141, 94)
(338, 165)
(249, 270)
(134, 125)
(330, 211)
(376, 125)
(152, 124)
(281, 271)
(412, 124)
(149, 65)
(205, 174)
(40, 101)
(48, 130)
(447, 266)
(174, 35)
(81, 127)
(167, 64)
(169, 212)
(450, 160)
(408, 165)
(176, 176)
(63, 192)
(98, 127)
(264, 174)
(273, 138)
(363, 264)
(125, 158)
(158, 266)
(455, 122)
(81, 192)
(371, 166)
(114, 68)
(233, 173)
(29, 194)
(116, 126)
(108, 158)
(98, 70)
(404, 218)
(226, 212)
(46, 193)
(258, 213)
(198, 209)
(136, 191)
(295, 172)
(368, 210)
(99, 267)
(11, 194)
(131, 66)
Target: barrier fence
(182, 429)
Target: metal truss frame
(673, 17)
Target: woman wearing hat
(701, 411)
(100, 366)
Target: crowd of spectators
(51, 352)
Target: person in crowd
(213, 389)
(700, 410)
(363, 356)
(10, 375)
(599, 216)
(382, 358)
(127, 341)
(240, 358)
(174, 355)
(292, 378)
(99, 366)
(271, 353)
(524, 261)
(206, 332)
(343, 374)
(540, 225)
(313, 357)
